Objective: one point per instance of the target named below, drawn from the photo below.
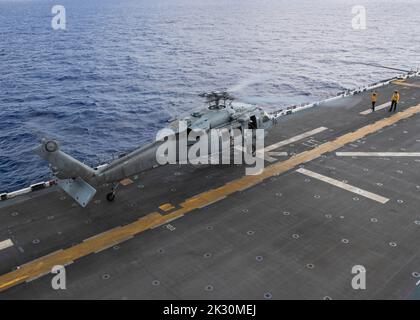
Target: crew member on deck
(374, 98)
(394, 101)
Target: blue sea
(122, 68)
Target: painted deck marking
(294, 139)
(269, 154)
(277, 153)
(166, 207)
(377, 154)
(126, 182)
(344, 186)
(380, 107)
(6, 244)
(44, 264)
(258, 154)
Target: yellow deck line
(166, 207)
(126, 182)
(117, 235)
(12, 282)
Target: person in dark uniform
(394, 101)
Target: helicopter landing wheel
(110, 196)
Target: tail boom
(73, 175)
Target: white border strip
(344, 186)
(269, 154)
(6, 244)
(380, 107)
(294, 139)
(33, 187)
(377, 154)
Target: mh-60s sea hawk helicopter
(79, 180)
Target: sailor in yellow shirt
(394, 101)
(374, 98)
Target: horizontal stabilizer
(78, 189)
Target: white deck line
(258, 154)
(377, 154)
(277, 154)
(6, 244)
(380, 107)
(294, 139)
(344, 186)
(269, 154)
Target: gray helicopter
(80, 181)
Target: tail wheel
(110, 196)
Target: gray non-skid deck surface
(289, 237)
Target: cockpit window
(196, 114)
(217, 106)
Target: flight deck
(341, 188)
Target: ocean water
(122, 68)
